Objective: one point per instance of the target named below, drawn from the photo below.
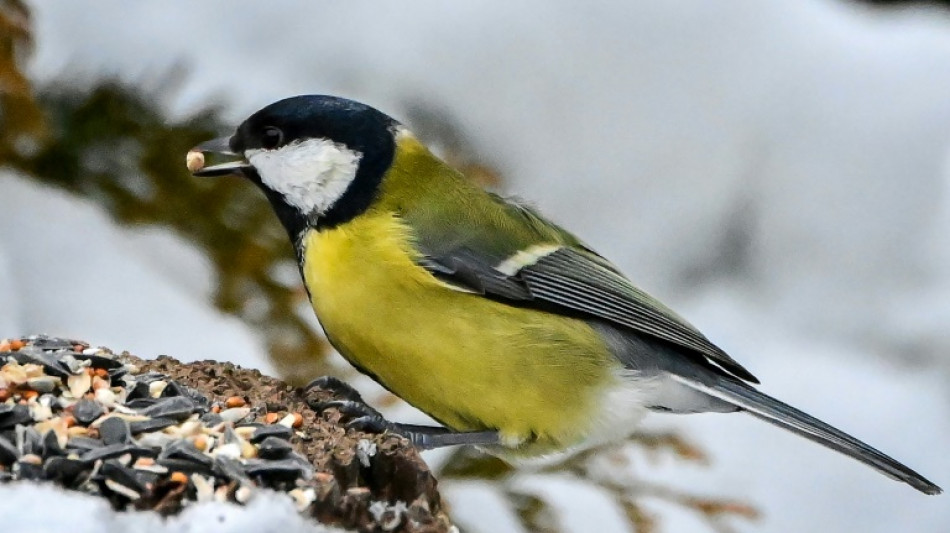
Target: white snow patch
(478, 506)
(178, 261)
(577, 505)
(44, 508)
(75, 275)
(9, 308)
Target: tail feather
(787, 417)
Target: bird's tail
(787, 417)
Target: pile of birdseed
(157, 435)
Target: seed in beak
(194, 160)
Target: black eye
(271, 138)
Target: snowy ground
(825, 127)
(269, 512)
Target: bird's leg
(365, 418)
(426, 437)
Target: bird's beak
(195, 159)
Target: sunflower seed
(44, 384)
(63, 469)
(150, 425)
(8, 452)
(87, 411)
(12, 415)
(83, 443)
(272, 430)
(114, 430)
(274, 448)
(177, 407)
(115, 450)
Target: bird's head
(319, 159)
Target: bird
(506, 329)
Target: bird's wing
(560, 275)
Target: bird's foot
(335, 385)
(358, 415)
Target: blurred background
(777, 171)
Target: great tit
(505, 328)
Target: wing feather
(578, 281)
(575, 280)
(507, 251)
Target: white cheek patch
(311, 175)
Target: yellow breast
(469, 362)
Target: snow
(9, 310)
(480, 507)
(817, 129)
(42, 508)
(72, 272)
(577, 506)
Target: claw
(370, 424)
(336, 386)
(364, 418)
(348, 408)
